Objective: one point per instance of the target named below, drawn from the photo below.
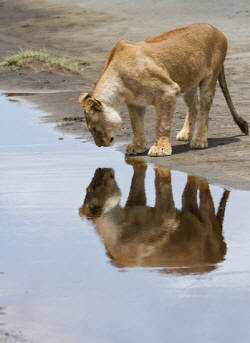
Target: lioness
(159, 236)
(154, 72)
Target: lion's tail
(243, 125)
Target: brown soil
(87, 34)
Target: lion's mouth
(107, 142)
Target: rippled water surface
(143, 255)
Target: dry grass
(25, 58)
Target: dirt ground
(87, 33)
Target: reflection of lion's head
(101, 194)
(95, 119)
(185, 241)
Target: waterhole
(96, 247)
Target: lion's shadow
(212, 143)
(184, 147)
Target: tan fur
(186, 240)
(154, 72)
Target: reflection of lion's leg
(189, 196)
(137, 195)
(136, 114)
(164, 201)
(199, 139)
(191, 100)
(164, 114)
(207, 210)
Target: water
(114, 273)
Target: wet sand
(89, 31)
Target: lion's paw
(133, 149)
(183, 135)
(160, 150)
(198, 144)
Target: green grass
(24, 58)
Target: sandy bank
(88, 32)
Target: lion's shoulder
(119, 51)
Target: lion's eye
(94, 130)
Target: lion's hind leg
(191, 100)
(199, 137)
(189, 196)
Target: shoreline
(174, 162)
(227, 160)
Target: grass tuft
(24, 58)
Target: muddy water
(143, 255)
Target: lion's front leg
(164, 113)
(137, 195)
(138, 145)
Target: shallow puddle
(143, 255)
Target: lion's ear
(89, 103)
(81, 211)
(83, 97)
(94, 104)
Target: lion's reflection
(184, 241)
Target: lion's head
(97, 124)
(102, 194)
